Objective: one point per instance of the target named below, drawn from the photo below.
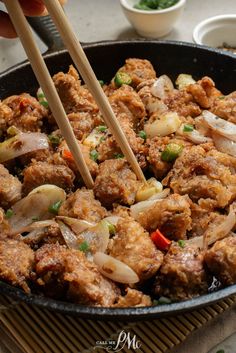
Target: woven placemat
(35, 330)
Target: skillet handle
(47, 32)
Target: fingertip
(33, 8)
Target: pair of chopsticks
(81, 62)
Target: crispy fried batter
(10, 188)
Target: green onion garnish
(188, 128)
(143, 135)
(181, 243)
(122, 78)
(54, 139)
(35, 219)
(54, 208)
(9, 213)
(164, 300)
(171, 152)
(111, 228)
(84, 246)
(102, 83)
(118, 155)
(102, 128)
(94, 155)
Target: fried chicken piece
(156, 146)
(221, 260)
(115, 182)
(133, 246)
(182, 274)
(69, 272)
(10, 188)
(204, 92)
(182, 103)
(200, 174)
(22, 111)
(82, 205)
(125, 101)
(4, 225)
(139, 70)
(84, 122)
(225, 107)
(16, 263)
(75, 98)
(133, 298)
(39, 173)
(172, 216)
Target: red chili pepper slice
(161, 242)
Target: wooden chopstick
(41, 72)
(80, 59)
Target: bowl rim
(198, 28)
(129, 8)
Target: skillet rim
(127, 314)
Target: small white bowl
(215, 31)
(152, 24)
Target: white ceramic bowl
(152, 24)
(215, 31)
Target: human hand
(30, 8)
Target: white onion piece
(77, 225)
(97, 237)
(141, 207)
(112, 219)
(162, 86)
(184, 80)
(193, 136)
(69, 236)
(222, 230)
(35, 205)
(160, 195)
(152, 187)
(221, 126)
(154, 105)
(166, 125)
(224, 145)
(35, 236)
(34, 226)
(93, 139)
(114, 269)
(196, 241)
(22, 144)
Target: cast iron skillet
(169, 58)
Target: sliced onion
(97, 237)
(196, 241)
(221, 126)
(22, 144)
(112, 219)
(35, 205)
(141, 207)
(166, 125)
(222, 230)
(114, 269)
(70, 238)
(162, 86)
(160, 195)
(148, 190)
(194, 136)
(35, 236)
(77, 225)
(93, 139)
(154, 105)
(34, 226)
(184, 80)
(225, 145)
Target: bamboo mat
(30, 329)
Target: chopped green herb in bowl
(150, 5)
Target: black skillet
(171, 58)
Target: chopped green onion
(122, 78)
(54, 208)
(102, 83)
(188, 128)
(54, 139)
(151, 5)
(35, 219)
(118, 155)
(9, 213)
(41, 98)
(102, 128)
(94, 155)
(84, 246)
(221, 351)
(221, 97)
(171, 152)
(155, 302)
(102, 139)
(143, 135)
(181, 243)
(44, 103)
(111, 228)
